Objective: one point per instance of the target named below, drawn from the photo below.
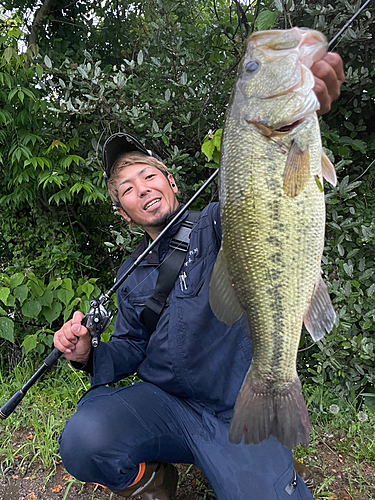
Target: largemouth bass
(273, 216)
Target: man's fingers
(323, 96)
(62, 343)
(73, 339)
(326, 73)
(335, 61)
(77, 328)
(329, 75)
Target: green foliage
(164, 75)
(31, 310)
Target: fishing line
(348, 23)
(363, 173)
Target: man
(192, 365)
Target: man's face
(146, 196)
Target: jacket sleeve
(126, 349)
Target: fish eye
(251, 66)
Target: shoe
(159, 482)
(304, 473)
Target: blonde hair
(125, 160)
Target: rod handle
(11, 404)
(52, 357)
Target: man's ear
(172, 183)
(123, 214)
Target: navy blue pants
(114, 430)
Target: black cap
(116, 145)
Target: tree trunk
(38, 19)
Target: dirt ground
(336, 477)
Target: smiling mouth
(152, 203)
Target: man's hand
(329, 76)
(74, 340)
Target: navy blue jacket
(191, 354)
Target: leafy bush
(32, 310)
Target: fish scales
(273, 215)
(270, 275)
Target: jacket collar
(156, 255)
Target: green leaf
(4, 292)
(348, 269)
(36, 288)
(53, 312)
(21, 293)
(8, 53)
(16, 279)
(29, 93)
(140, 57)
(208, 148)
(217, 138)
(11, 301)
(66, 284)
(47, 298)
(47, 62)
(12, 93)
(30, 342)
(39, 71)
(7, 329)
(31, 309)
(265, 20)
(65, 295)
(88, 288)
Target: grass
(40, 417)
(342, 439)
(340, 432)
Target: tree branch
(242, 19)
(38, 19)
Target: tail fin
(262, 410)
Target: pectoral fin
(223, 299)
(297, 170)
(320, 315)
(328, 170)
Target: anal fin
(328, 170)
(223, 299)
(320, 315)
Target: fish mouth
(270, 131)
(288, 128)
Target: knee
(82, 443)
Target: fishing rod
(346, 25)
(98, 318)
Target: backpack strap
(168, 273)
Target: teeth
(152, 203)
